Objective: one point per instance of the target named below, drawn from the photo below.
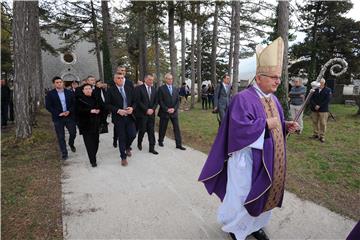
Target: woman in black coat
(88, 108)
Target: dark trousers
(211, 101)
(163, 126)
(91, 141)
(115, 136)
(204, 103)
(147, 126)
(4, 113)
(60, 133)
(126, 132)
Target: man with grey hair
(319, 104)
(297, 97)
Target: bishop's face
(267, 84)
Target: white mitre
(269, 60)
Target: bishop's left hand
(292, 126)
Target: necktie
(149, 92)
(170, 90)
(124, 97)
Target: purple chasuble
(242, 125)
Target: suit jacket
(143, 101)
(53, 104)
(114, 101)
(221, 97)
(166, 101)
(322, 99)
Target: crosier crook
(343, 64)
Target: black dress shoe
(260, 235)
(73, 148)
(94, 165)
(114, 144)
(139, 146)
(153, 152)
(181, 147)
(64, 157)
(161, 144)
(232, 236)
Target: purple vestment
(243, 124)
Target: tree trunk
(313, 64)
(214, 45)
(171, 9)
(236, 24)
(96, 40)
(157, 56)
(108, 45)
(183, 42)
(142, 41)
(21, 39)
(108, 30)
(198, 48)
(232, 34)
(34, 65)
(283, 30)
(193, 59)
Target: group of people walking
(132, 110)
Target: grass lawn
(30, 186)
(326, 173)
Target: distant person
(104, 114)
(222, 96)
(211, 92)
(146, 105)
(204, 97)
(297, 97)
(319, 105)
(74, 85)
(60, 103)
(121, 102)
(89, 108)
(5, 101)
(168, 98)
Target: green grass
(30, 186)
(326, 173)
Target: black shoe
(94, 165)
(64, 157)
(139, 146)
(260, 235)
(114, 144)
(73, 148)
(153, 152)
(181, 147)
(232, 236)
(161, 144)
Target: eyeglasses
(273, 78)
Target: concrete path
(158, 197)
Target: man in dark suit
(168, 98)
(146, 105)
(60, 103)
(319, 105)
(120, 101)
(121, 70)
(222, 96)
